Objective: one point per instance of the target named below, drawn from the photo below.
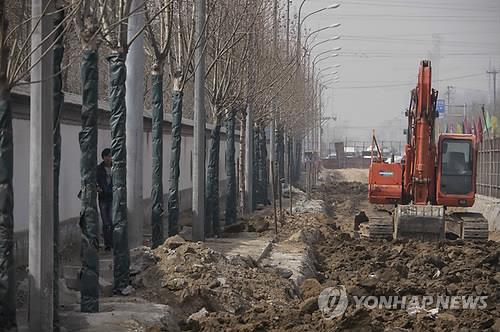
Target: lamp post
(198, 208)
(299, 29)
(331, 67)
(316, 61)
(331, 26)
(325, 58)
(334, 6)
(301, 21)
(320, 73)
(326, 52)
(325, 41)
(334, 79)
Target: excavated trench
(273, 283)
(419, 272)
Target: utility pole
(272, 135)
(199, 125)
(449, 91)
(134, 126)
(41, 208)
(249, 143)
(288, 27)
(493, 73)
(299, 34)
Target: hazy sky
(383, 42)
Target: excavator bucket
(419, 222)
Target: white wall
(69, 204)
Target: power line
(412, 40)
(402, 84)
(421, 17)
(414, 5)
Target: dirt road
(244, 295)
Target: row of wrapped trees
(249, 72)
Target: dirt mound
(375, 268)
(189, 276)
(342, 200)
(234, 294)
(380, 268)
(409, 268)
(345, 175)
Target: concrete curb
(265, 252)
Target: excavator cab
(456, 181)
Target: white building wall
(69, 206)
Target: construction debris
(265, 281)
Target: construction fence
(488, 175)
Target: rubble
(213, 287)
(209, 279)
(373, 268)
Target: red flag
(479, 130)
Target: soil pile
(220, 293)
(342, 200)
(379, 268)
(413, 269)
(196, 279)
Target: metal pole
(41, 209)
(290, 173)
(272, 135)
(134, 127)
(199, 126)
(494, 73)
(495, 91)
(249, 159)
(288, 27)
(273, 179)
(299, 33)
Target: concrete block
(118, 314)
(489, 207)
(105, 288)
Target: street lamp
(319, 75)
(334, 6)
(330, 67)
(335, 25)
(332, 80)
(322, 42)
(316, 61)
(325, 58)
(299, 31)
(325, 52)
(300, 21)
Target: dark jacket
(106, 194)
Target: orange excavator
(414, 198)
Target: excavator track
(376, 224)
(427, 223)
(469, 226)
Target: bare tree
(158, 40)
(182, 70)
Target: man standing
(105, 190)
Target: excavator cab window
(456, 167)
